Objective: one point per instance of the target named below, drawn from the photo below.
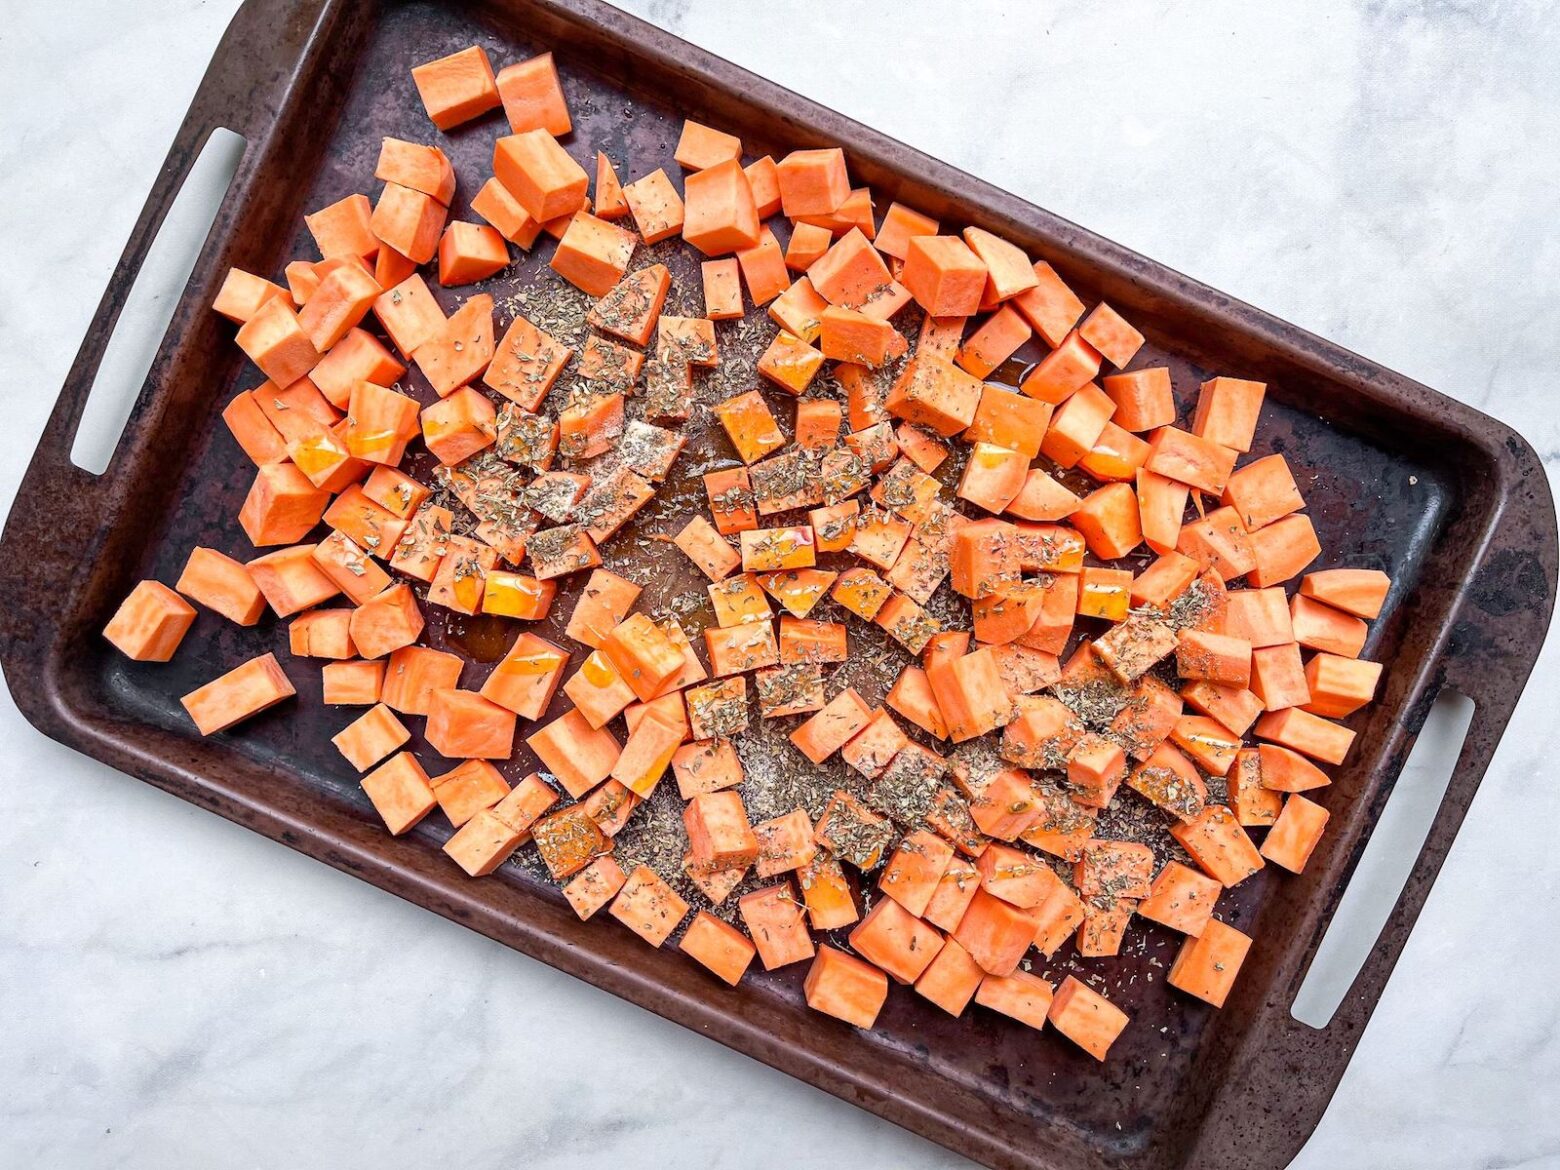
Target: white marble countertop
(175, 991)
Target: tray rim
(48, 704)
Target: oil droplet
(1011, 372)
(484, 637)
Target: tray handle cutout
(143, 320)
(1387, 861)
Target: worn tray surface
(1385, 481)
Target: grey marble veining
(180, 993)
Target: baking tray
(1453, 504)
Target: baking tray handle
(1494, 632)
(59, 520)
(240, 91)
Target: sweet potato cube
(647, 754)
(494, 203)
(151, 622)
(722, 281)
(951, 979)
(1278, 677)
(1308, 734)
(570, 839)
(1144, 400)
(642, 653)
(409, 313)
(400, 792)
(1062, 373)
(412, 676)
(764, 178)
(631, 309)
(593, 254)
(526, 802)
(945, 277)
(342, 231)
(540, 174)
(1086, 1017)
(322, 633)
(253, 431)
(718, 829)
(243, 293)
(812, 182)
(472, 786)
(1096, 766)
(831, 728)
(648, 906)
(1190, 459)
(852, 832)
(1340, 686)
(457, 88)
(464, 725)
(602, 605)
(707, 549)
(1207, 963)
(352, 684)
(1050, 307)
(718, 946)
(532, 96)
(900, 225)
(1295, 834)
(1104, 926)
(482, 844)
(1181, 898)
(936, 394)
(1108, 332)
(469, 252)
(371, 737)
(763, 268)
(785, 843)
(1207, 742)
(1020, 996)
(459, 426)
(706, 766)
(1360, 592)
(412, 164)
(1282, 770)
(596, 885)
(409, 223)
(1060, 916)
(719, 215)
(898, 942)
(579, 755)
(826, 894)
(776, 919)
(915, 869)
(461, 349)
(1130, 648)
(275, 341)
(1254, 804)
(342, 299)
(1167, 778)
(1321, 627)
(657, 208)
(291, 580)
(1219, 845)
(240, 693)
(1227, 410)
(996, 933)
(842, 986)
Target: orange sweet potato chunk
(842, 986)
(242, 692)
(1086, 1017)
(150, 623)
